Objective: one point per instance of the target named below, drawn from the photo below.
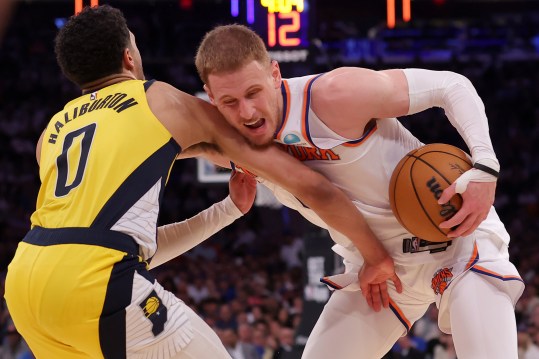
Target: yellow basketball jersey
(104, 163)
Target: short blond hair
(227, 48)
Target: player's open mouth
(255, 124)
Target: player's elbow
(318, 192)
(455, 79)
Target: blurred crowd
(246, 281)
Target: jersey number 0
(63, 161)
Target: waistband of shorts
(76, 235)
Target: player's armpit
(206, 150)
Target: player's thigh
(43, 346)
(57, 310)
(349, 329)
(205, 343)
(482, 319)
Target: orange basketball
(418, 181)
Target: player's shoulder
(164, 93)
(164, 98)
(347, 83)
(160, 88)
(185, 116)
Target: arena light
(79, 5)
(391, 12)
(406, 10)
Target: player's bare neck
(106, 81)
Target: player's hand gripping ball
(417, 184)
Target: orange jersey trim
(485, 271)
(474, 258)
(285, 90)
(400, 315)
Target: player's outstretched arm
(177, 238)
(466, 112)
(347, 98)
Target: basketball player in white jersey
(343, 124)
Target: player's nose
(247, 109)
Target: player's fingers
(251, 180)
(447, 194)
(241, 176)
(364, 286)
(384, 294)
(465, 227)
(370, 303)
(375, 294)
(456, 220)
(368, 295)
(397, 282)
(475, 222)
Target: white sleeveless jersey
(362, 168)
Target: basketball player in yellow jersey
(79, 286)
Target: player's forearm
(319, 194)
(462, 105)
(177, 238)
(339, 213)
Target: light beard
(271, 140)
(261, 146)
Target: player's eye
(251, 94)
(229, 102)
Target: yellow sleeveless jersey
(104, 163)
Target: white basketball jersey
(362, 168)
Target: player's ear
(276, 74)
(127, 58)
(210, 95)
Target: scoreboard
(283, 24)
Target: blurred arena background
(256, 281)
